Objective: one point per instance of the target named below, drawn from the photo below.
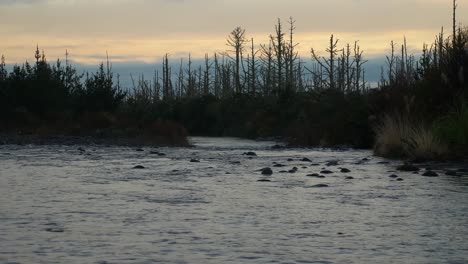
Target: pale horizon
(143, 31)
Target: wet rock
(283, 171)
(279, 165)
(320, 185)
(235, 162)
(451, 173)
(290, 159)
(399, 179)
(407, 167)
(81, 149)
(264, 180)
(227, 172)
(383, 162)
(365, 159)
(139, 149)
(316, 175)
(304, 167)
(277, 146)
(332, 163)
(393, 176)
(326, 172)
(55, 229)
(430, 173)
(267, 171)
(152, 152)
(345, 170)
(306, 160)
(295, 168)
(250, 153)
(349, 178)
(194, 160)
(315, 164)
(292, 171)
(139, 167)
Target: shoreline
(87, 140)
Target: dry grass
(399, 137)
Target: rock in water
(267, 171)
(399, 179)
(139, 167)
(345, 170)
(407, 167)
(194, 160)
(264, 180)
(393, 176)
(279, 165)
(250, 153)
(326, 172)
(332, 163)
(306, 160)
(140, 149)
(349, 178)
(321, 185)
(430, 173)
(451, 173)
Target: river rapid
(89, 204)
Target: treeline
(253, 90)
(423, 102)
(257, 70)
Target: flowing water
(59, 204)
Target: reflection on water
(62, 205)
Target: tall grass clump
(398, 136)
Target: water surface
(62, 205)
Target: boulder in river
(326, 172)
(345, 170)
(451, 173)
(194, 160)
(139, 167)
(407, 167)
(393, 176)
(399, 179)
(250, 153)
(430, 173)
(290, 159)
(139, 149)
(279, 165)
(320, 185)
(267, 171)
(349, 178)
(264, 180)
(306, 160)
(332, 163)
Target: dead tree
(236, 41)
(328, 64)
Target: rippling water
(62, 205)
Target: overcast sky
(143, 30)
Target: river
(62, 204)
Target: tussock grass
(399, 137)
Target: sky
(142, 31)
